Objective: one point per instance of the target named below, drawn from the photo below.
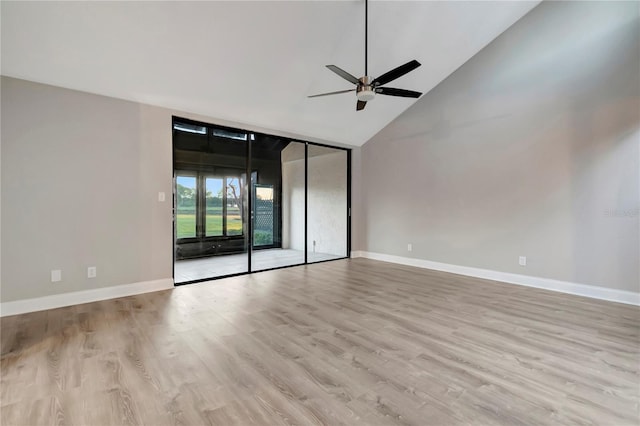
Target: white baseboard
(85, 296)
(585, 290)
(356, 253)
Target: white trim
(356, 253)
(585, 290)
(85, 296)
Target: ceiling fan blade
(390, 91)
(342, 73)
(360, 105)
(396, 73)
(332, 93)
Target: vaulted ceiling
(249, 62)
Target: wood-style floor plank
(350, 342)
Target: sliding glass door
(327, 222)
(278, 180)
(211, 202)
(245, 202)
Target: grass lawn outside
(186, 224)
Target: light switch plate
(161, 196)
(56, 275)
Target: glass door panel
(186, 200)
(327, 223)
(234, 206)
(264, 215)
(277, 206)
(214, 198)
(211, 202)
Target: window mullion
(201, 208)
(224, 206)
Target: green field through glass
(234, 201)
(186, 205)
(186, 223)
(213, 221)
(234, 221)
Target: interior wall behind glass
(293, 183)
(327, 203)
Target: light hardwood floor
(218, 266)
(345, 342)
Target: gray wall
(80, 177)
(80, 180)
(530, 148)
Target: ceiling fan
(367, 87)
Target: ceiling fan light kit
(365, 91)
(367, 87)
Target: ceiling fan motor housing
(365, 91)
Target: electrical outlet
(522, 260)
(56, 275)
(409, 247)
(91, 272)
(161, 196)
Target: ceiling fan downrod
(366, 36)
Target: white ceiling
(249, 62)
